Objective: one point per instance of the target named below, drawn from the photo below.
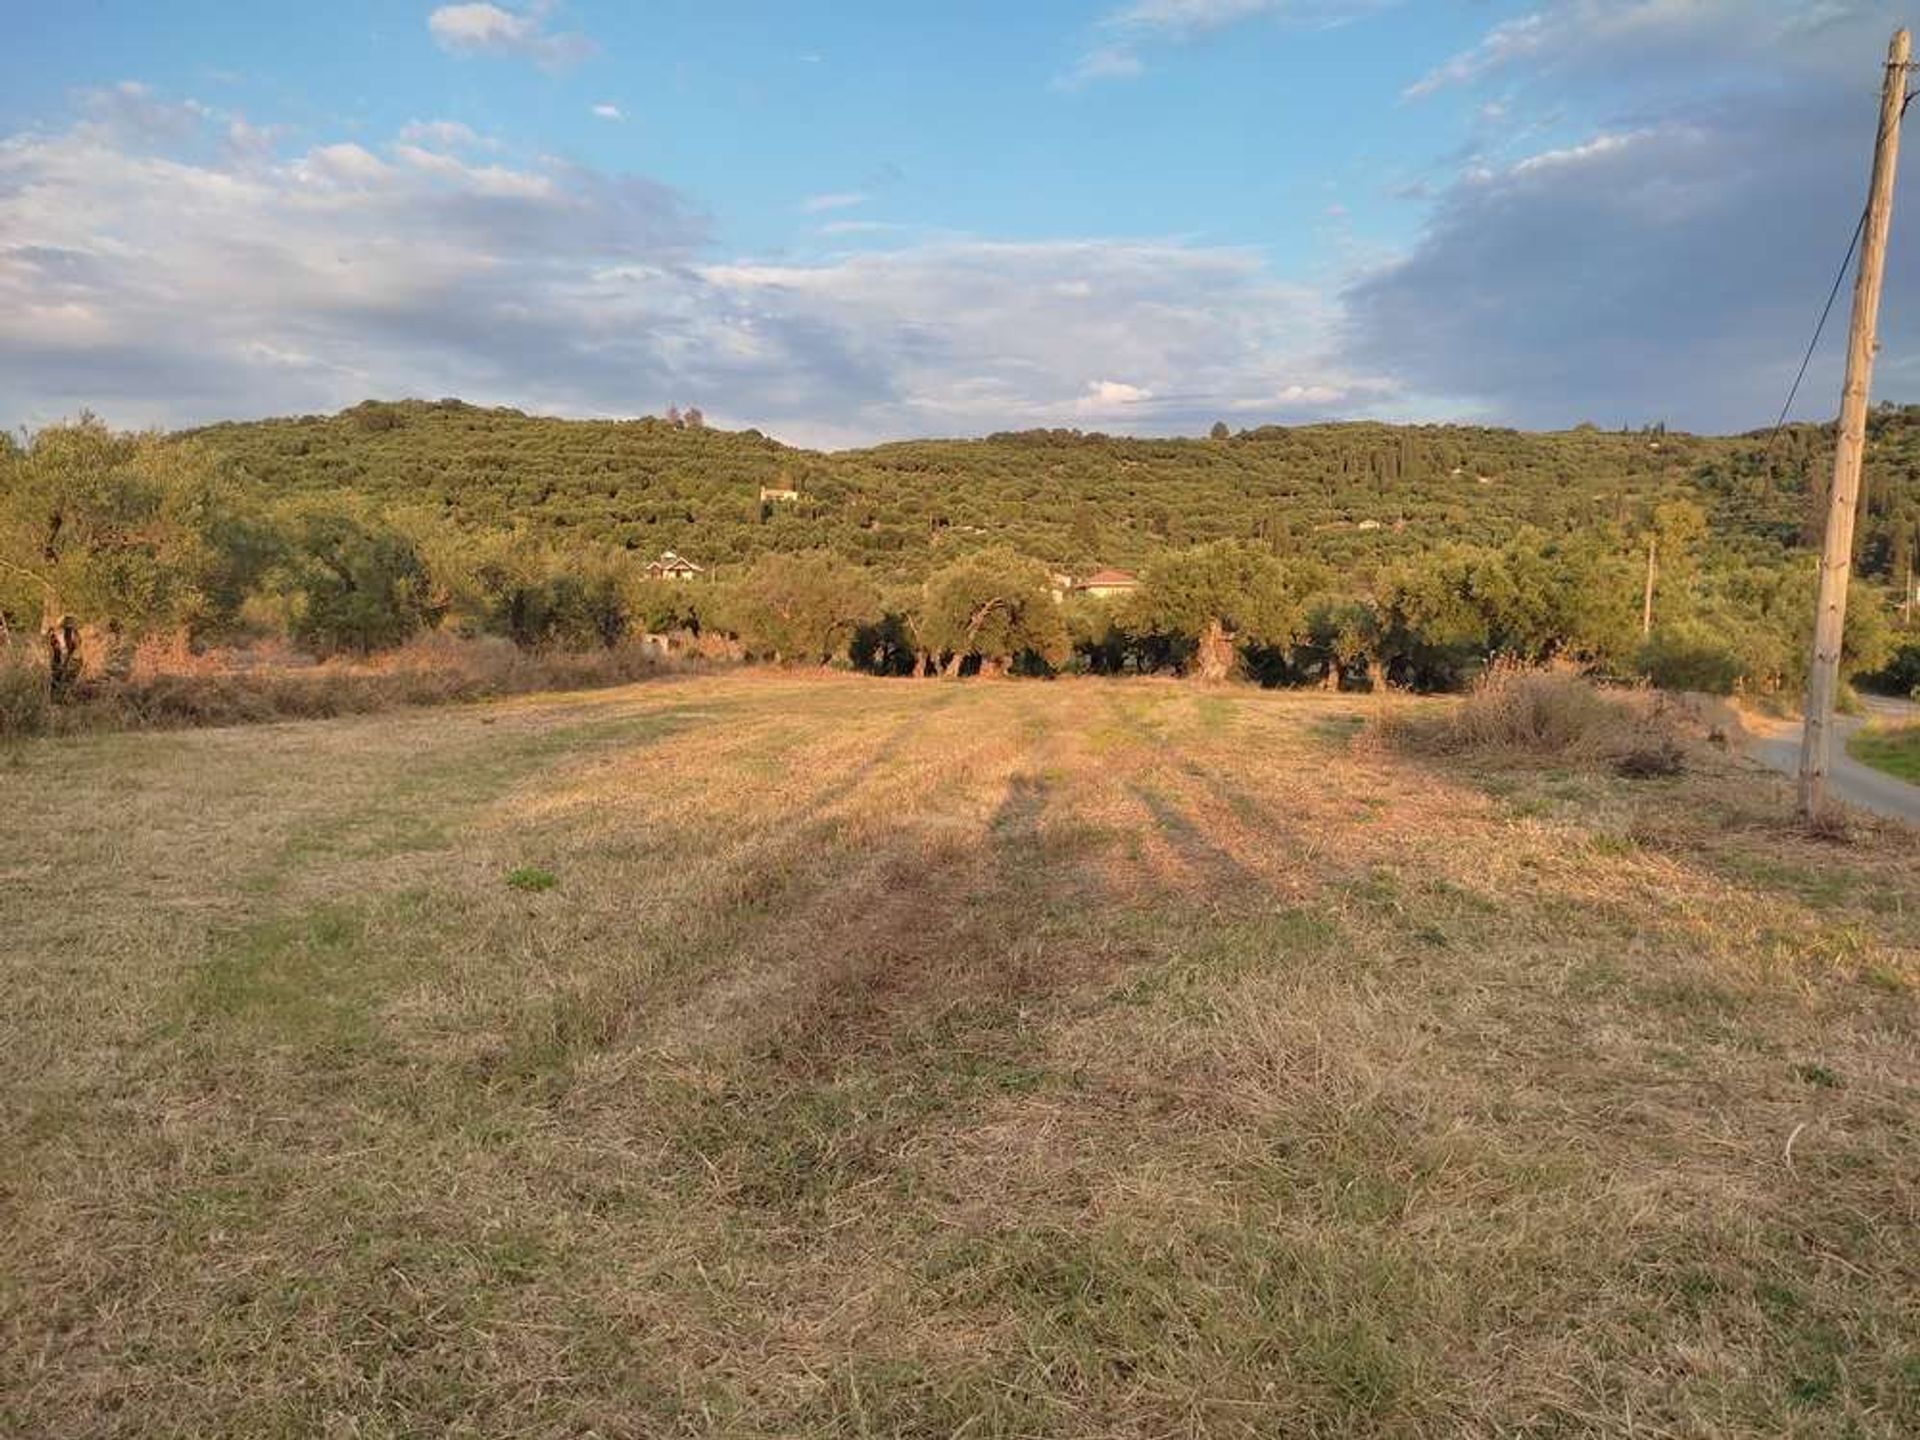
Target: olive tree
(802, 607)
(994, 606)
(114, 536)
(1210, 601)
(354, 582)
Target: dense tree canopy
(802, 607)
(116, 535)
(994, 608)
(1207, 602)
(1334, 555)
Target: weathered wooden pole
(1646, 605)
(1836, 556)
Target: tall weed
(1521, 712)
(26, 703)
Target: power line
(1813, 344)
(1839, 279)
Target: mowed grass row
(897, 1058)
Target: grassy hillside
(917, 1060)
(1352, 494)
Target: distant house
(777, 492)
(1108, 583)
(672, 567)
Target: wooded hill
(1354, 495)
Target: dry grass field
(866, 1058)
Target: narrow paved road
(1776, 743)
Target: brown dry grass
(169, 687)
(1517, 712)
(927, 1059)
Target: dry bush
(251, 686)
(25, 702)
(1516, 711)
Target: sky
(855, 221)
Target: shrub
(884, 647)
(431, 669)
(1690, 656)
(360, 585)
(1900, 675)
(26, 702)
(1513, 711)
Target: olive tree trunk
(1214, 660)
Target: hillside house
(1109, 583)
(673, 567)
(777, 492)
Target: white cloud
(960, 336)
(857, 227)
(359, 268)
(486, 29)
(1103, 62)
(1106, 398)
(1123, 33)
(836, 200)
(446, 134)
(1616, 42)
(1666, 269)
(311, 280)
(607, 110)
(1501, 46)
(342, 165)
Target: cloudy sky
(857, 220)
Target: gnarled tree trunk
(1214, 660)
(64, 660)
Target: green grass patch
(1894, 749)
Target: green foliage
(1690, 655)
(532, 879)
(1101, 644)
(355, 583)
(1332, 554)
(1894, 749)
(1204, 602)
(539, 597)
(884, 646)
(1443, 615)
(116, 531)
(802, 607)
(991, 609)
(1900, 675)
(116, 536)
(904, 509)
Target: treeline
(109, 539)
(1230, 608)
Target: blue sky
(855, 221)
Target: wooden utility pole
(1836, 556)
(1646, 606)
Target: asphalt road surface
(1776, 743)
